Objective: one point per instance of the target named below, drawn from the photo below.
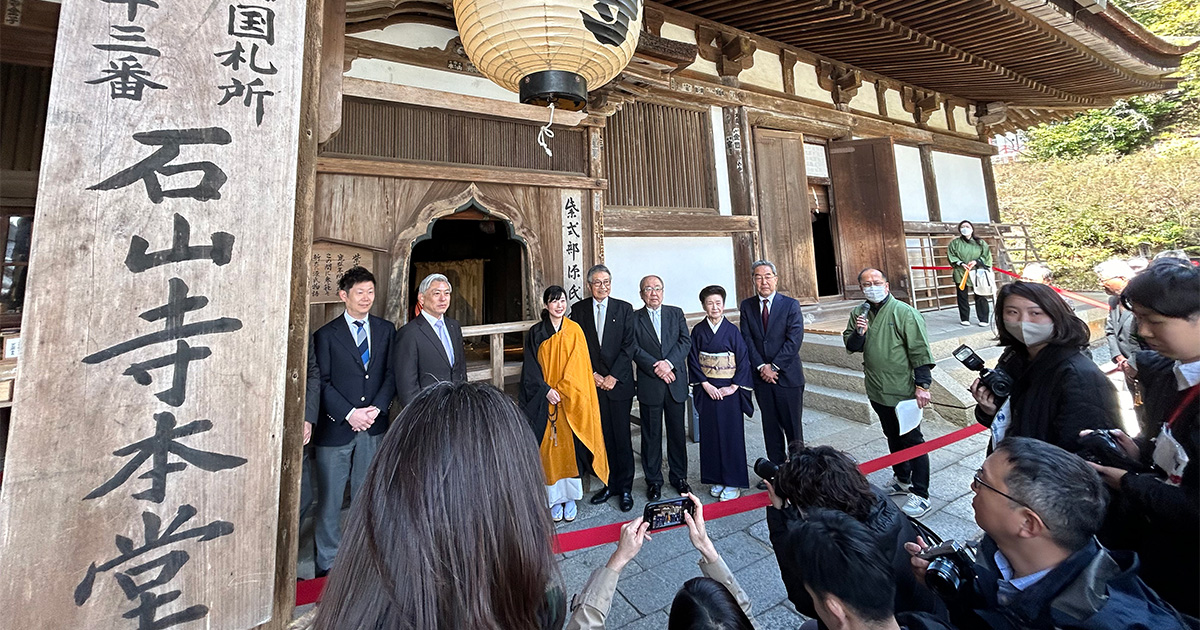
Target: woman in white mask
(968, 252)
(1057, 389)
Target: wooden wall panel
(869, 223)
(783, 211)
(24, 95)
(405, 132)
(659, 156)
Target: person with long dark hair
(558, 395)
(450, 530)
(1057, 391)
(966, 253)
(824, 478)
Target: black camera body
(997, 380)
(951, 570)
(1101, 447)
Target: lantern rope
(547, 132)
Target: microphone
(861, 311)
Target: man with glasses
(773, 328)
(607, 325)
(661, 352)
(896, 364)
(1039, 564)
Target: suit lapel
(776, 307)
(432, 335)
(644, 320)
(341, 332)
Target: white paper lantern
(549, 51)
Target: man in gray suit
(429, 348)
(660, 352)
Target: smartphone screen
(666, 513)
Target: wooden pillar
(989, 185)
(739, 160)
(930, 177)
(166, 312)
(596, 171)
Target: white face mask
(875, 294)
(1029, 333)
(967, 232)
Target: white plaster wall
(417, 76)
(767, 71)
(961, 192)
(961, 124)
(895, 107)
(688, 36)
(806, 83)
(864, 99)
(686, 265)
(724, 201)
(410, 35)
(913, 205)
(938, 119)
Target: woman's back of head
(449, 529)
(824, 477)
(704, 604)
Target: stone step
(829, 350)
(841, 403)
(834, 377)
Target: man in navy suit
(357, 388)
(660, 353)
(429, 348)
(607, 325)
(773, 328)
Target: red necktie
(766, 315)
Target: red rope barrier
(309, 591)
(1074, 296)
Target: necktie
(364, 349)
(445, 337)
(600, 323)
(654, 317)
(766, 313)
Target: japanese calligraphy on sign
(143, 494)
(574, 267)
(327, 263)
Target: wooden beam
(989, 186)
(333, 54)
(456, 173)
(930, 179)
(436, 99)
(645, 222)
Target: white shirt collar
(653, 310)
(596, 302)
(715, 326)
(430, 318)
(350, 320)
(1187, 374)
(770, 300)
(1020, 583)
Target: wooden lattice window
(659, 156)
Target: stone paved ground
(648, 584)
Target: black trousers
(914, 471)
(614, 421)
(782, 411)
(652, 430)
(964, 309)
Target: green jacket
(962, 251)
(895, 345)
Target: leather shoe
(626, 501)
(762, 485)
(601, 497)
(654, 492)
(682, 488)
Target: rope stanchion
(1071, 294)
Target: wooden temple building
(824, 135)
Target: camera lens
(943, 578)
(765, 468)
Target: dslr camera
(766, 469)
(1101, 447)
(997, 380)
(951, 570)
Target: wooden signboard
(143, 472)
(327, 263)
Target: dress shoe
(601, 497)
(654, 492)
(762, 485)
(626, 501)
(682, 488)
(320, 573)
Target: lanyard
(1188, 399)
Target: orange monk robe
(567, 367)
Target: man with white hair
(1120, 328)
(429, 348)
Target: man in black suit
(607, 324)
(773, 328)
(357, 388)
(661, 347)
(429, 348)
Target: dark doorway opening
(825, 255)
(483, 262)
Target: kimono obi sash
(720, 365)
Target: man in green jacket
(897, 363)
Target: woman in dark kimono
(719, 369)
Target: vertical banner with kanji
(143, 470)
(574, 267)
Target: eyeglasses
(976, 481)
(601, 283)
(873, 284)
(758, 277)
(653, 289)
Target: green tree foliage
(1087, 210)
(1135, 123)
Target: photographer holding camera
(824, 478)
(1057, 390)
(1039, 564)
